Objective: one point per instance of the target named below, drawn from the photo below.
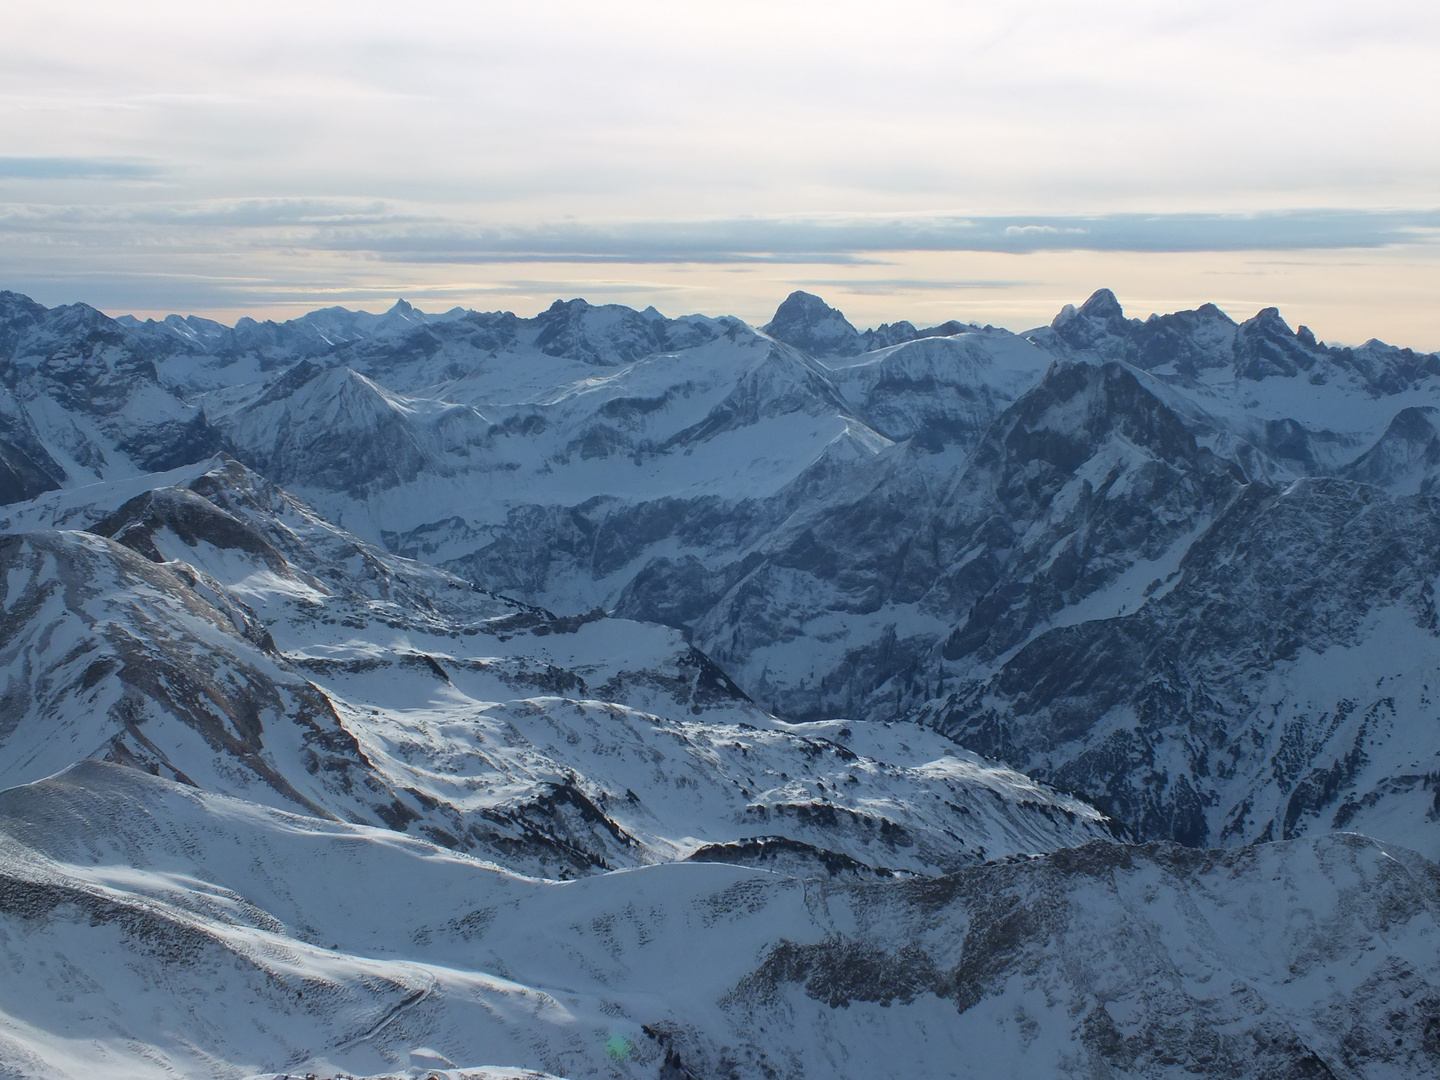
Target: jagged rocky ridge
(1181, 568)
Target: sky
(917, 159)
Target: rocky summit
(603, 694)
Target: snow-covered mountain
(80, 401)
(862, 525)
(787, 648)
(220, 634)
(152, 929)
(1277, 681)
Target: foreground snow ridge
(248, 941)
(608, 695)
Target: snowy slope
(154, 930)
(234, 640)
(1405, 460)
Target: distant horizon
(291, 313)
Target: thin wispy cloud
(249, 214)
(837, 237)
(407, 234)
(75, 168)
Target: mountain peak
(1099, 320)
(1265, 345)
(813, 326)
(1269, 319)
(560, 307)
(802, 305)
(1102, 305)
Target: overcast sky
(915, 159)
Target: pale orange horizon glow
(1345, 297)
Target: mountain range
(607, 694)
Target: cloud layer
(328, 146)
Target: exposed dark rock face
(1151, 486)
(181, 659)
(1182, 720)
(21, 477)
(192, 519)
(785, 855)
(1085, 476)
